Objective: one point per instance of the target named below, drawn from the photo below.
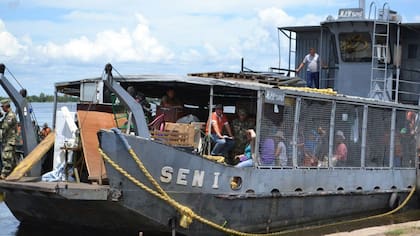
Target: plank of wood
(90, 122)
(32, 158)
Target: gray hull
(268, 199)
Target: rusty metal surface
(89, 123)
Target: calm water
(43, 112)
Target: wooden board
(90, 122)
(32, 158)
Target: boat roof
(232, 82)
(311, 28)
(251, 81)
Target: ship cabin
(366, 53)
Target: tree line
(42, 97)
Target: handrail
(373, 3)
(387, 12)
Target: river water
(10, 226)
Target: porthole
(235, 182)
(250, 191)
(275, 192)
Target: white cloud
(9, 45)
(123, 45)
(276, 17)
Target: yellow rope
(188, 214)
(326, 91)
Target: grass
(397, 232)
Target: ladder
(381, 85)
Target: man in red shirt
(223, 143)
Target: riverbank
(403, 229)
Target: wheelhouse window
(355, 47)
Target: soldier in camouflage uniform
(8, 138)
(239, 126)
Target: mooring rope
(188, 214)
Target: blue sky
(46, 41)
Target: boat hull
(248, 208)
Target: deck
(67, 190)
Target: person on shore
(8, 138)
(312, 69)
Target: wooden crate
(172, 138)
(178, 134)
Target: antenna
(362, 5)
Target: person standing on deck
(312, 69)
(8, 138)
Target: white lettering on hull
(198, 178)
(216, 180)
(182, 176)
(167, 174)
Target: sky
(48, 41)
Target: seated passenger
(240, 126)
(267, 153)
(280, 153)
(245, 159)
(340, 153)
(224, 143)
(169, 100)
(321, 151)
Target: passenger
(8, 129)
(240, 126)
(44, 131)
(311, 142)
(281, 153)
(145, 105)
(169, 100)
(223, 143)
(312, 69)
(245, 159)
(267, 152)
(340, 153)
(141, 99)
(310, 146)
(408, 141)
(321, 151)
